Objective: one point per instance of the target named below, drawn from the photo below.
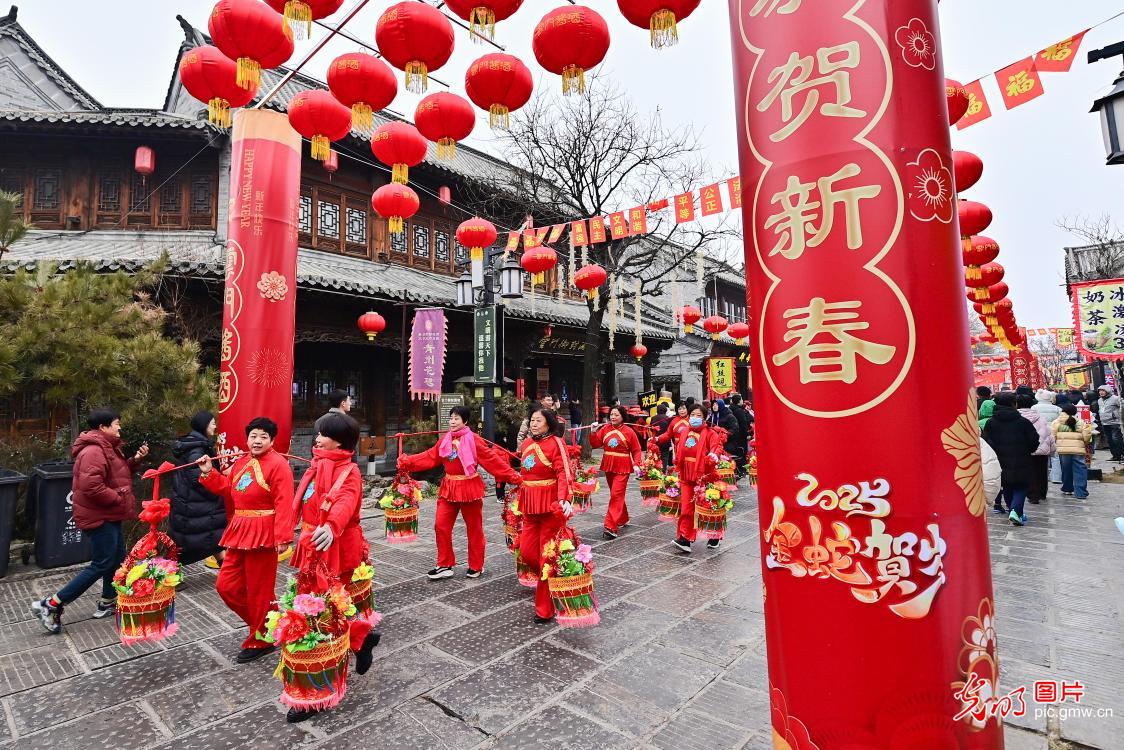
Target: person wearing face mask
(621, 457)
(328, 502)
(666, 439)
(691, 449)
(544, 496)
(462, 452)
(259, 506)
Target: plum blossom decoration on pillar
(273, 286)
(919, 47)
(930, 188)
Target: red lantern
(589, 279)
(977, 251)
(482, 15)
(445, 194)
(476, 234)
(967, 169)
(660, 17)
(372, 324)
(364, 83)
(569, 41)
(499, 83)
(415, 38)
(400, 146)
(395, 203)
(212, 77)
(739, 332)
(958, 100)
(991, 273)
(690, 315)
(144, 160)
(301, 13)
(639, 351)
(974, 217)
(332, 163)
(252, 34)
(316, 115)
(715, 325)
(445, 118)
(537, 261)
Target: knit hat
(1044, 396)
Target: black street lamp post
(1111, 106)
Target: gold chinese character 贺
(794, 221)
(795, 77)
(835, 359)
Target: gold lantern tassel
(299, 16)
(482, 25)
(446, 149)
(972, 273)
(321, 147)
(395, 224)
(400, 173)
(573, 80)
(539, 278)
(417, 77)
(218, 112)
(663, 29)
(498, 117)
(249, 73)
(362, 117)
(476, 253)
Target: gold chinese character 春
(797, 212)
(795, 77)
(829, 360)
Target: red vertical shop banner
(260, 292)
(875, 554)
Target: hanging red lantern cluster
(589, 279)
(365, 84)
(372, 324)
(537, 261)
(690, 315)
(395, 203)
(958, 100)
(499, 83)
(739, 332)
(417, 39)
(445, 118)
(300, 14)
(967, 168)
(569, 41)
(400, 146)
(715, 325)
(660, 17)
(482, 15)
(212, 77)
(317, 116)
(476, 234)
(252, 34)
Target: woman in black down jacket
(198, 518)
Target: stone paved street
(462, 665)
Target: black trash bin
(58, 541)
(10, 482)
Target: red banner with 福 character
(875, 553)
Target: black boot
(364, 657)
(296, 716)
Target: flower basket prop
(651, 476)
(361, 589)
(568, 570)
(668, 503)
(751, 469)
(526, 574)
(312, 631)
(712, 500)
(585, 482)
(725, 468)
(400, 505)
(147, 579)
(512, 520)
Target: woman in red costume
(259, 503)
(621, 457)
(544, 496)
(676, 427)
(691, 450)
(462, 452)
(328, 501)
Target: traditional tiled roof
(195, 253)
(110, 118)
(10, 27)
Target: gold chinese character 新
(795, 77)
(797, 212)
(828, 361)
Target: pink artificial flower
(308, 605)
(584, 554)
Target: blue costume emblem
(529, 462)
(244, 482)
(691, 442)
(613, 442)
(453, 454)
(308, 493)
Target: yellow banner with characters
(1098, 318)
(720, 376)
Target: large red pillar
(260, 293)
(877, 582)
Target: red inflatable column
(877, 581)
(260, 293)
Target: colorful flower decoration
(931, 195)
(919, 47)
(273, 286)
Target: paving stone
(1020, 739)
(23, 636)
(84, 694)
(617, 707)
(609, 589)
(493, 634)
(116, 653)
(488, 596)
(718, 634)
(690, 730)
(419, 623)
(498, 696)
(196, 625)
(210, 601)
(16, 610)
(415, 724)
(562, 663)
(409, 593)
(40, 666)
(623, 625)
(559, 727)
(661, 675)
(1091, 725)
(203, 700)
(734, 704)
(257, 728)
(88, 635)
(122, 727)
(652, 566)
(750, 671)
(681, 594)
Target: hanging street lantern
(569, 41)
(482, 15)
(300, 14)
(690, 315)
(958, 100)
(445, 118)
(319, 117)
(417, 39)
(660, 17)
(537, 261)
(476, 234)
(395, 203)
(332, 163)
(715, 325)
(739, 332)
(372, 324)
(500, 84)
(144, 162)
(974, 217)
(400, 146)
(976, 251)
(212, 77)
(365, 84)
(639, 351)
(967, 168)
(589, 279)
(252, 34)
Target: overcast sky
(1042, 162)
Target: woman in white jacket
(992, 472)
(1050, 411)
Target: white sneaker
(438, 573)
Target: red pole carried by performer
(462, 452)
(874, 541)
(620, 458)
